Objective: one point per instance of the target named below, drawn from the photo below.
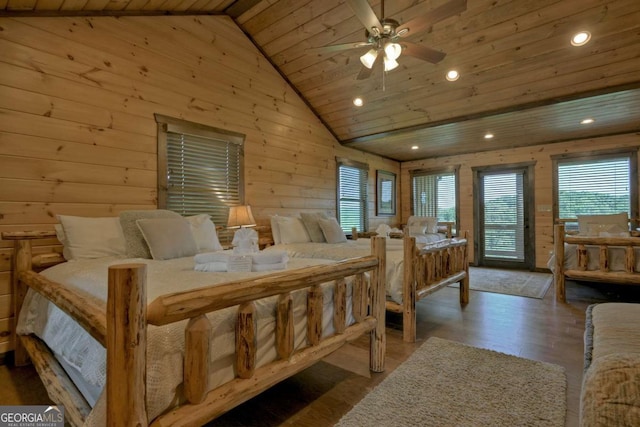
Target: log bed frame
(603, 274)
(122, 330)
(433, 268)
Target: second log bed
(122, 323)
(596, 259)
(412, 271)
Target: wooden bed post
(126, 346)
(558, 271)
(21, 261)
(378, 341)
(464, 283)
(409, 291)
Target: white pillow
(292, 230)
(332, 230)
(416, 230)
(66, 253)
(168, 238)
(85, 237)
(430, 223)
(275, 229)
(204, 233)
(587, 222)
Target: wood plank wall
(543, 177)
(78, 136)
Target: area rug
(445, 383)
(510, 282)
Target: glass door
(503, 231)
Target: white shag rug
(445, 383)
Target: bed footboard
(581, 271)
(426, 271)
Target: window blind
(204, 175)
(434, 194)
(594, 186)
(352, 197)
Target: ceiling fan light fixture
(358, 102)
(392, 50)
(369, 58)
(390, 64)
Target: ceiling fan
(384, 36)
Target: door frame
(529, 212)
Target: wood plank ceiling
(520, 78)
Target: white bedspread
(354, 248)
(165, 344)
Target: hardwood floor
(537, 329)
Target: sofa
(610, 394)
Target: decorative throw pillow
(135, 243)
(168, 238)
(310, 221)
(430, 223)
(292, 230)
(204, 233)
(85, 237)
(332, 231)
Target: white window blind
(352, 196)
(594, 186)
(434, 194)
(503, 216)
(200, 169)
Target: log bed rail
(121, 328)
(603, 274)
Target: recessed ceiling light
(452, 75)
(358, 102)
(587, 121)
(414, 147)
(581, 38)
(488, 135)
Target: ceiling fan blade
(338, 47)
(365, 14)
(365, 72)
(421, 52)
(423, 22)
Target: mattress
(82, 354)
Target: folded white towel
(211, 266)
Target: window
(352, 195)
(597, 184)
(434, 193)
(200, 169)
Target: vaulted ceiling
(520, 78)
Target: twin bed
(138, 341)
(601, 248)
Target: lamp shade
(240, 216)
(390, 64)
(369, 58)
(393, 50)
